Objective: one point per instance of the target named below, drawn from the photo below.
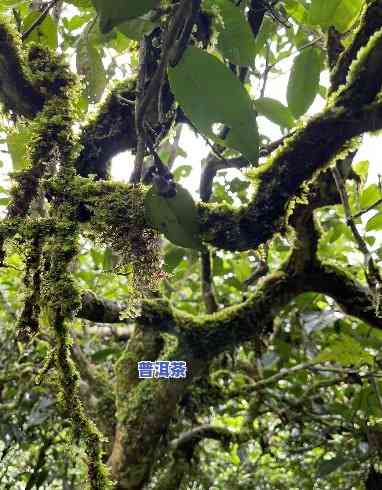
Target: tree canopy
(254, 302)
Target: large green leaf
(374, 223)
(346, 14)
(304, 81)
(369, 196)
(45, 33)
(275, 111)
(321, 12)
(90, 66)
(236, 41)
(296, 10)
(209, 93)
(136, 28)
(17, 141)
(339, 13)
(114, 12)
(176, 217)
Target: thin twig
(366, 210)
(372, 273)
(299, 50)
(377, 390)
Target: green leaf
(115, 12)
(17, 141)
(242, 269)
(296, 10)
(175, 217)
(8, 4)
(209, 93)
(321, 12)
(275, 111)
(182, 172)
(338, 13)
(304, 81)
(327, 466)
(173, 258)
(346, 14)
(234, 457)
(362, 169)
(345, 350)
(369, 196)
(90, 66)
(4, 201)
(136, 28)
(374, 223)
(267, 29)
(45, 33)
(236, 41)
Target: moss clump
(117, 219)
(28, 323)
(51, 141)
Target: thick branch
(111, 132)
(371, 23)
(100, 310)
(188, 440)
(297, 161)
(17, 92)
(209, 335)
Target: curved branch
(206, 336)
(371, 22)
(297, 161)
(111, 132)
(100, 310)
(188, 440)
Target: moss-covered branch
(297, 161)
(370, 23)
(100, 310)
(100, 402)
(206, 336)
(109, 133)
(17, 90)
(51, 139)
